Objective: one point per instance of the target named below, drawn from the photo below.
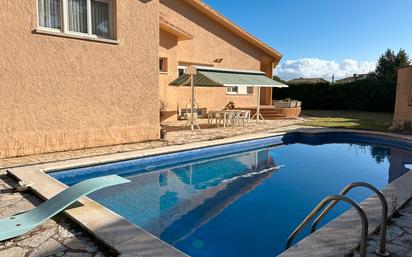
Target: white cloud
(317, 68)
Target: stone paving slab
(399, 237)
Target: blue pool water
(244, 202)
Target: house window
(87, 17)
(49, 13)
(240, 90)
(232, 90)
(77, 14)
(101, 11)
(162, 64)
(181, 70)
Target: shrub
(363, 95)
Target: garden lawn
(377, 121)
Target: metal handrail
(321, 205)
(384, 222)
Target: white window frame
(64, 24)
(229, 90)
(48, 28)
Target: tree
(389, 63)
(402, 59)
(278, 79)
(386, 69)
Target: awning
(214, 77)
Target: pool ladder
(334, 199)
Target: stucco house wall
(403, 106)
(210, 40)
(59, 93)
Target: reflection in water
(397, 158)
(380, 154)
(165, 201)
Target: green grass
(376, 121)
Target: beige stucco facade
(61, 92)
(207, 41)
(403, 106)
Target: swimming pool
(244, 199)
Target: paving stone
(10, 197)
(407, 239)
(64, 232)
(48, 248)
(370, 255)
(99, 254)
(372, 248)
(407, 208)
(373, 243)
(72, 254)
(49, 224)
(393, 233)
(78, 244)
(92, 249)
(405, 214)
(405, 225)
(37, 239)
(13, 252)
(129, 255)
(10, 243)
(18, 206)
(397, 249)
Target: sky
(319, 38)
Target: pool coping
(128, 239)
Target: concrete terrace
(62, 237)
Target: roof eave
(178, 32)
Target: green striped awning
(213, 77)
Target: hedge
(363, 95)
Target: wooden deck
(270, 112)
